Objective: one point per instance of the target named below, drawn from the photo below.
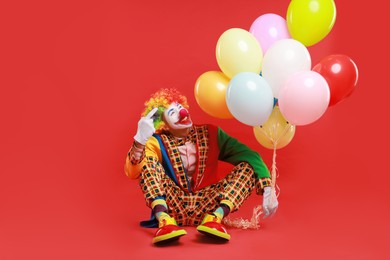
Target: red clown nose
(183, 113)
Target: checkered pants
(189, 208)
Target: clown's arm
(135, 158)
(144, 145)
(234, 152)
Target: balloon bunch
(266, 79)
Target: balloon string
(253, 223)
(274, 174)
(273, 168)
(285, 130)
(271, 134)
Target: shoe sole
(173, 236)
(211, 232)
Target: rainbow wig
(162, 99)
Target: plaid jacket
(212, 145)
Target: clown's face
(177, 117)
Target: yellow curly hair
(162, 99)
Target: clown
(176, 163)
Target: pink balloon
(304, 98)
(269, 28)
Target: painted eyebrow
(169, 111)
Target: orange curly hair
(162, 99)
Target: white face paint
(177, 117)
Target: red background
(74, 76)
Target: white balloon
(249, 98)
(284, 58)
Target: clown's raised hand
(145, 127)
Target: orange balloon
(276, 132)
(210, 92)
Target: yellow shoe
(212, 226)
(168, 231)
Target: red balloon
(341, 74)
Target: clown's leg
(150, 182)
(233, 190)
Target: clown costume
(176, 163)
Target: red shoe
(211, 226)
(168, 231)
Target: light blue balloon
(249, 98)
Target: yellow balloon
(238, 51)
(276, 132)
(210, 94)
(309, 21)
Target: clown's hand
(270, 202)
(145, 128)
